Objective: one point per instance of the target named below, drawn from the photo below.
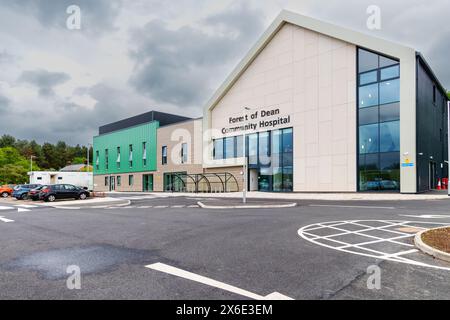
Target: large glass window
(218, 149)
(378, 120)
(264, 149)
(390, 73)
(368, 95)
(368, 77)
(229, 148)
(184, 153)
(239, 146)
(367, 61)
(390, 91)
(390, 136)
(368, 139)
(164, 155)
(252, 147)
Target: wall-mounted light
(420, 153)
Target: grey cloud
(6, 58)
(97, 16)
(4, 104)
(419, 24)
(183, 66)
(44, 80)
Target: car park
(6, 191)
(55, 192)
(21, 191)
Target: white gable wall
(312, 78)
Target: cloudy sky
(132, 56)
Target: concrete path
(435, 195)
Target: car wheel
(51, 198)
(5, 195)
(24, 197)
(83, 196)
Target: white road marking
(98, 207)
(22, 210)
(427, 216)
(359, 207)
(160, 207)
(177, 206)
(6, 208)
(213, 283)
(144, 207)
(360, 247)
(29, 206)
(3, 219)
(193, 206)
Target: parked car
(5, 191)
(21, 191)
(62, 191)
(34, 193)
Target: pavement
(235, 203)
(350, 196)
(160, 247)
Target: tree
(448, 94)
(13, 174)
(7, 141)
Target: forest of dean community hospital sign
(267, 119)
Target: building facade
(327, 109)
(312, 107)
(125, 152)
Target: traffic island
(435, 242)
(238, 204)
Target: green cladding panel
(107, 144)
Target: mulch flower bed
(438, 239)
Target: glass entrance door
(147, 182)
(112, 183)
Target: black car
(62, 191)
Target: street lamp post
(31, 163)
(245, 173)
(448, 138)
(88, 149)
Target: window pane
(264, 179)
(288, 159)
(252, 147)
(368, 139)
(367, 60)
(277, 179)
(368, 96)
(218, 149)
(229, 147)
(264, 152)
(239, 146)
(389, 73)
(390, 112)
(385, 62)
(368, 77)
(277, 141)
(369, 172)
(390, 171)
(390, 136)
(288, 142)
(368, 115)
(288, 179)
(390, 91)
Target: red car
(5, 191)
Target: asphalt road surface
(169, 248)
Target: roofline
(348, 35)
(431, 72)
(181, 122)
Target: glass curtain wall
(270, 152)
(378, 122)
